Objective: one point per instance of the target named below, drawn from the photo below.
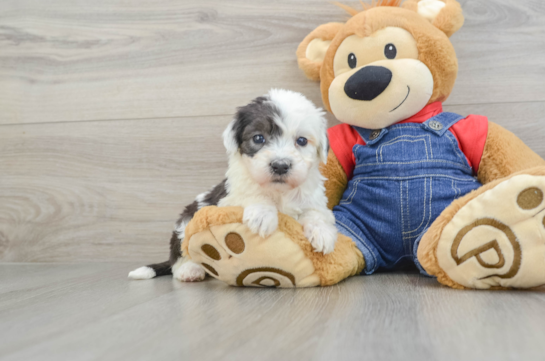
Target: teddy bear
(457, 196)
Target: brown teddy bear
(458, 196)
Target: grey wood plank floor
(110, 120)
(91, 312)
(70, 61)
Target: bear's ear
(446, 15)
(311, 51)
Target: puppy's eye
(352, 61)
(390, 51)
(302, 141)
(259, 139)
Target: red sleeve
(342, 139)
(471, 133)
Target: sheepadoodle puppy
(275, 146)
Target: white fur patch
(320, 231)
(229, 139)
(261, 219)
(200, 199)
(142, 273)
(187, 271)
(430, 8)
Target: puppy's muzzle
(280, 166)
(368, 83)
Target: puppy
(275, 147)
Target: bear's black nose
(368, 82)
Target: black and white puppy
(275, 147)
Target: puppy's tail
(151, 271)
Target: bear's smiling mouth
(408, 91)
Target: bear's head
(387, 62)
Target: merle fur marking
(210, 198)
(253, 119)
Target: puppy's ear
(229, 138)
(311, 52)
(323, 147)
(446, 15)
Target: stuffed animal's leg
(492, 237)
(218, 240)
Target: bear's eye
(390, 51)
(259, 139)
(352, 61)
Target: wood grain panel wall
(111, 112)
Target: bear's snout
(368, 82)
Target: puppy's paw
(321, 235)
(189, 272)
(261, 219)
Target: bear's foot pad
(498, 238)
(233, 254)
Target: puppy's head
(279, 138)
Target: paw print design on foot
(219, 241)
(239, 257)
(497, 239)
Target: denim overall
(404, 177)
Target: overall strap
(371, 136)
(441, 123)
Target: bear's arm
(336, 182)
(504, 154)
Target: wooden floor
(91, 312)
(110, 120)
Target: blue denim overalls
(404, 177)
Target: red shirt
(471, 133)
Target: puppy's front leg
(261, 218)
(185, 270)
(320, 230)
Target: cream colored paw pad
(498, 238)
(238, 257)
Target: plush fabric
(336, 179)
(495, 154)
(329, 269)
(434, 47)
(311, 68)
(450, 19)
(505, 154)
(427, 251)
(490, 238)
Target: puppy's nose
(280, 166)
(368, 82)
